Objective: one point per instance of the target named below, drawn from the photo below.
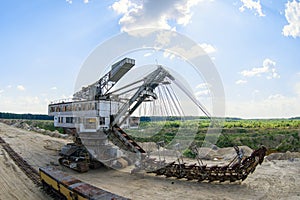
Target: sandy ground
(277, 179)
(14, 184)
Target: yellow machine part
(69, 194)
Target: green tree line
(25, 116)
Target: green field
(276, 134)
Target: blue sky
(255, 46)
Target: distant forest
(25, 116)
(142, 119)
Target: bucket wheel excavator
(96, 115)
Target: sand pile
(227, 153)
(291, 156)
(205, 153)
(25, 126)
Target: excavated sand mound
(283, 156)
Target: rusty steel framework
(236, 170)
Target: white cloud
(54, 88)
(153, 14)
(273, 106)
(20, 102)
(70, 1)
(32, 100)
(21, 87)
(292, 15)
(252, 5)
(123, 6)
(9, 86)
(203, 90)
(164, 39)
(202, 93)
(268, 69)
(189, 53)
(23, 104)
(147, 54)
(169, 55)
(65, 96)
(275, 96)
(297, 89)
(240, 82)
(203, 86)
(1, 91)
(256, 71)
(208, 48)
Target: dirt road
(273, 180)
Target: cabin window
(92, 120)
(92, 106)
(76, 120)
(52, 109)
(102, 120)
(90, 123)
(69, 119)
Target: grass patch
(280, 134)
